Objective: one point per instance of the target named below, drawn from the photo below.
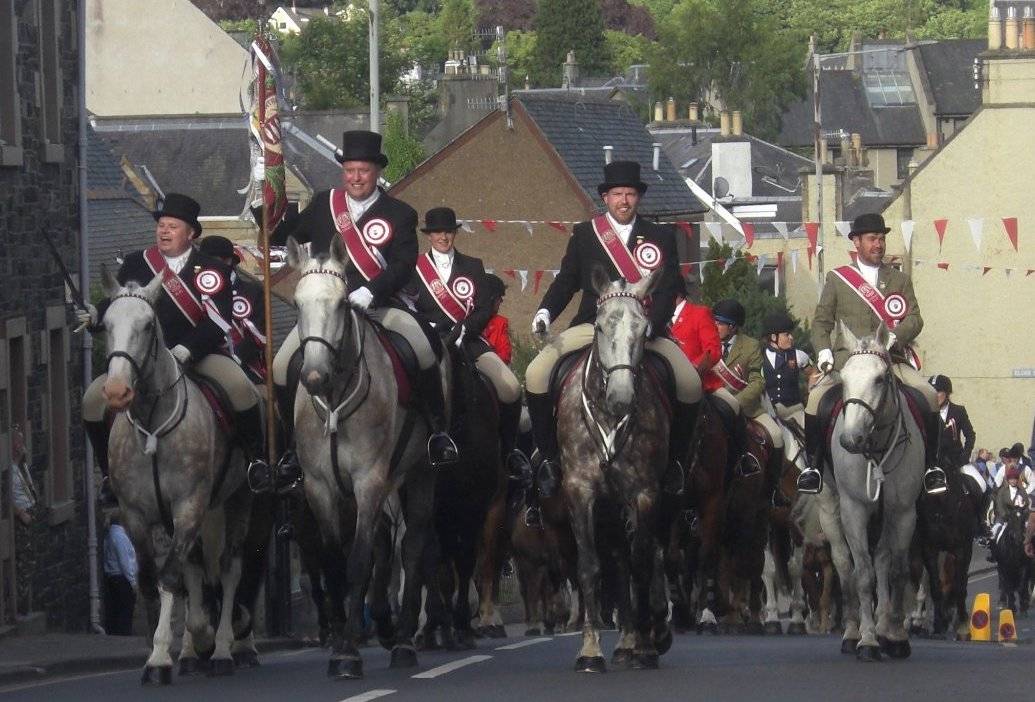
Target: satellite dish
(721, 187)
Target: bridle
(151, 356)
(608, 370)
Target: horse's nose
(314, 381)
(852, 442)
(118, 394)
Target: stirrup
(442, 450)
(674, 480)
(744, 469)
(287, 474)
(810, 482)
(518, 465)
(934, 481)
(533, 517)
(259, 477)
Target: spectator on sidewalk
(120, 580)
(23, 490)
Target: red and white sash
(174, 287)
(447, 300)
(366, 258)
(616, 249)
(891, 309)
(728, 376)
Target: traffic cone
(1007, 628)
(981, 618)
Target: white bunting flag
(715, 230)
(524, 278)
(760, 262)
(490, 271)
(782, 228)
(843, 228)
(729, 263)
(555, 271)
(528, 226)
(466, 226)
(976, 225)
(794, 260)
(907, 233)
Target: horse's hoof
(403, 657)
(663, 642)
(867, 654)
(590, 664)
(464, 641)
(622, 658)
(157, 675)
(496, 631)
(754, 629)
(533, 631)
(445, 639)
(221, 667)
(937, 635)
(849, 646)
(918, 630)
(773, 628)
(246, 659)
(188, 666)
(645, 661)
(548, 630)
(345, 669)
(796, 629)
(897, 649)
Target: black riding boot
(746, 463)
(510, 418)
(287, 472)
(98, 434)
(251, 435)
(684, 420)
(934, 477)
(441, 449)
(544, 433)
(811, 479)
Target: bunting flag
(684, 268)
(760, 262)
(489, 224)
(794, 260)
(715, 231)
(558, 226)
(728, 264)
(524, 278)
(510, 272)
(528, 227)
(907, 233)
(538, 278)
(749, 233)
(1010, 223)
(812, 233)
(555, 272)
(843, 228)
(939, 228)
(779, 260)
(781, 227)
(687, 228)
(985, 269)
(264, 122)
(466, 226)
(976, 225)
(944, 265)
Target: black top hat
(941, 383)
(219, 247)
(361, 145)
(622, 174)
(180, 207)
(868, 224)
(440, 219)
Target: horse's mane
(869, 344)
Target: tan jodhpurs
(508, 390)
(903, 371)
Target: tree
(563, 26)
(422, 40)
(509, 14)
(404, 151)
(634, 20)
(626, 50)
(520, 56)
(456, 24)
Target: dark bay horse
(1012, 563)
(357, 444)
(613, 429)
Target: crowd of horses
(384, 534)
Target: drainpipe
(84, 286)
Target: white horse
(877, 450)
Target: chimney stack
(670, 110)
(847, 154)
(657, 155)
(571, 71)
(857, 148)
(738, 123)
(659, 112)
(1011, 28)
(995, 30)
(724, 123)
(691, 112)
(608, 153)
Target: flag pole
(267, 290)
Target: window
(57, 412)
(903, 157)
(14, 409)
(888, 87)
(50, 80)
(10, 105)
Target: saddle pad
(564, 371)
(654, 365)
(913, 400)
(405, 370)
(219, 403)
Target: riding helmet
(729, 311)
(941, 383)
(777, 322)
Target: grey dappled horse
(877, 451)
(167, 455)
(347, 403)
(613, 430)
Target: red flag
(812, 232)
(939, 227)
(684, 268)
(985, 269)
(1011, 230)
(944, 265)
(749, 233)
(558, 226)
(537, 279)
(779, 259)
(510, 272)
(687, 228)
(489, 224)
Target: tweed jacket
(839, 302)
(745, 358)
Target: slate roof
(949, 68)
(844, 106)
(579, 127)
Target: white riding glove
(460, 337)
(892, 339)
(181, 353)
(258, 171)
(825, 360)
(361, 298)
(541, 322)
(85, 318)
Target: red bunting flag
(687, 228)
(511, 272)
(538, 278)
(749, 233)
(684, 268)
(489, 224)
(944, 265)
(558, 226)
(779, 259)
(939, 227)
(1030, 271)
(1011, 230)
(812, 232)
(985, 269)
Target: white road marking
(986, 576)
(55, 681)
(297, 652)
(450, 667)
(369, 695)
(522, 644)
(571, 633)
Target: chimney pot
(995, 30)
(738, 123)
(657, 155)
(692, 112)
(659, 112)
(670, 110)
(724, 123)
(1029, 28)
(932, 140)
(608, 153)
(1012, 31)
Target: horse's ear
(883, 334)
(851, 340)
(296, 254)
(338, 252)
(599, 278)
(647, 285)
(152, 289)
(109, 283)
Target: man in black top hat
(862, 296)
(198, 342)
(624, 245)
(248, 326)
(380, 235)
(450, 290)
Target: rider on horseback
(624, 246)
(782, 365)
(451, 291)
(861, 296)
(1010, 495)
(193, 312)
(380, 236)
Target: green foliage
(520, 56)
(456, 24)
(404, 151)
(953, 23)
(423, 105)
(523, 350)
(565, 25)
(659, 8)
(422, 40)
(626, 50)
(250, 26)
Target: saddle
(218, 400)
(465, 375)
(404, 361)
(654, 365)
